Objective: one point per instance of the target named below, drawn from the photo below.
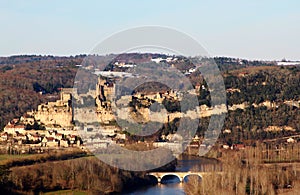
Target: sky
(256, 29)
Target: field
(66, 192)
(4, 158)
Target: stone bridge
(181, 175)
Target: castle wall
(56, 113)
(62, 117)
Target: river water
(170, 184)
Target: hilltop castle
(57, 113)
(105, 91)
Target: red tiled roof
(15, 126)
(50, 138)
(19, 126)
(9, 126)
(239, 146)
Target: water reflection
(197, 177)
(170, 186)
(169, 179)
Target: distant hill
(25, 78)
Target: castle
(57, 113)
(105, 91)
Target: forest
(25, 78)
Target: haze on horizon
(266, 30)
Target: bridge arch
(191, 174)
(155, 177)
(172, 174)
(181, 175)
(160, 176)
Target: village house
(121, 136)
(64, 143)
(194, 144)
(4, 136)
(72, 139)
(44, 142)
(58, 136)
(49, 142)
(96, 145)
(288, 128)
(202, 146)
(14, 129)
(273, 129)
(173, 146)
(243, 74)
(27, 119)
(238, 146)
(20, 136)
(50, 133)
(232, 90)
(227, 131)
(174, 137)
(291, 140)
(56, 115)
(33, 137)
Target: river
(170, 184)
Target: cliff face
(141, 111)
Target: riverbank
(69, 171)
(77, 170)
(245, 172)
(171, 184)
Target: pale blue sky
(256, 29)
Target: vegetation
(84, 174)
(29, 159)
(251, 123)
(226, 64)
(244, 173)
(259, 84)
(23, 77)
(66, 192)
(27, 81)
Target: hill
(29, 80)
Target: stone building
(105, 91)
(57, 113)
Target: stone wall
(56, 113)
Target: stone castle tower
(105, 91)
